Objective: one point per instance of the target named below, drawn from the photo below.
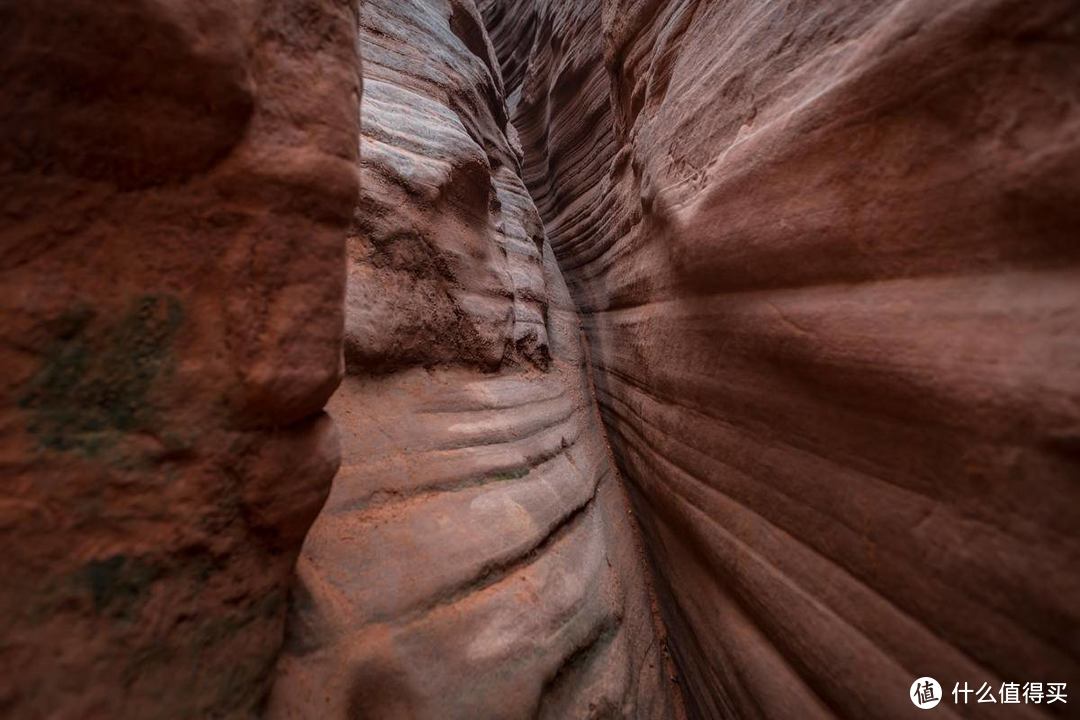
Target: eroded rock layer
(474, 559)
(177, 180)
(826, 256)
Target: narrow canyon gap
(687, 358)
(475, 558)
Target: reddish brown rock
(825, 258)
(474, 559)
(177, 179)
(827, 263)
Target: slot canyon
(499, 359)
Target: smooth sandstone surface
(826, 256)
(475, 557)
(804, 276)
(177, 179)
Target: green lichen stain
(93, 386)
(118, 585)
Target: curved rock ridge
(826, 260)
(178, 177)
(474, 559)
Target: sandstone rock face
(826, 256)
(178, 177)
(474, 559)
(815, 263)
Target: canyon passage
(538, 358)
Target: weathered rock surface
(827, 260)
(474, 559)
(177, 179)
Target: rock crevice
(474, 558)
(674, 358)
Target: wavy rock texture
(473, 559)
(178, 178)
(826, 257)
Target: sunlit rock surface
(826, 259)
(475, 558)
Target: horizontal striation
(473, 559)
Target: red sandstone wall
(177, 179)
(826, 256)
